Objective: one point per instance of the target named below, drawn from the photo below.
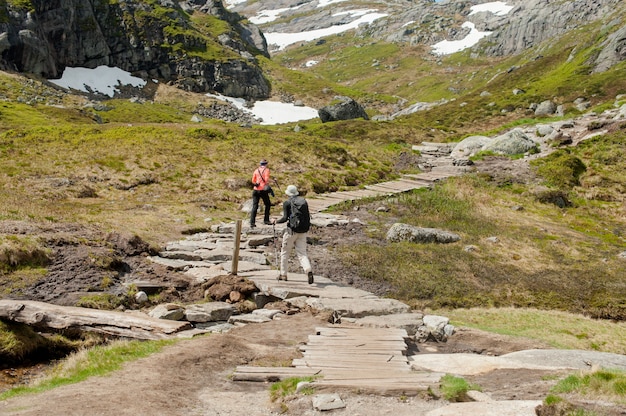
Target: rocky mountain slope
(207, 46)
(527, 24)
(197, 46)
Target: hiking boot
(282, 277)
(310, 274)
(267, 222)
(252, 226)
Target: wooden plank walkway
(371, 360)
(318, 203)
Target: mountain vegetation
(135, 162)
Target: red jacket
(261, 177)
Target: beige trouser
(291, 239)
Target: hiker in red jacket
(261, 190)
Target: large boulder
(345, 109)
(514, 142)
(469, 146)
(546, 108)
(405, 232)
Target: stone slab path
(368, 351)
(409, 182)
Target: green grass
(287, 387)
(545, 257)
(455, 388)
(97, 361)
(558, 329)
(600, 383)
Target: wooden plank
(397, 356)
(360, 341)
(366, 333)
(334, 351)
(272, 370)
(379, 339)
(356, 330)
(363, 350)
(324, 364)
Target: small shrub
(560, 169)
(288, 387)
(103, 301)
(455, 389)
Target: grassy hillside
(148, 170)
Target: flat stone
(268, 313)
(181, 255)
(581, 359)
(244, 266)
(248, 318)
(323, 402)
(407, 321)
(217, 327)
(204, 274)
(260, 240)
(494, 408)
(189, 245)
(466, 364)
(358, 308)
(478, 396)
(169, 263)
(209, 312)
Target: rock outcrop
(153, 40)
(345, 109)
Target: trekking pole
(276, 249)
(276, 182)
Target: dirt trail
(192, 378)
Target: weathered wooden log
(46, 316)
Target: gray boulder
(169, 311)
(469, 146)
(546, 108)
(514, 142)
(405, 232)
(209, 312)
(346, 109)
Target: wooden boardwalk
(371, 360)
(318, 203)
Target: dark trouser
(256, 195)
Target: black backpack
(300, 219)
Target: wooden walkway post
(235, 263)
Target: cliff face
(202, 48)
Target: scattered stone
(169, 311)
(209, 312)
(268, 313)
(141, 297)
(407, 321)
(324, 402)
(478, 396)
(249, 318)
(546, 108)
